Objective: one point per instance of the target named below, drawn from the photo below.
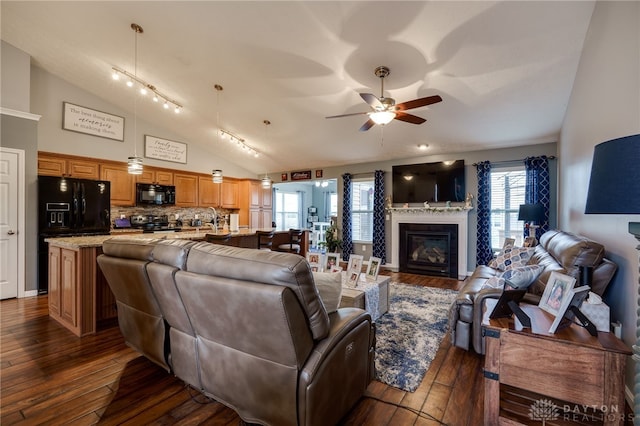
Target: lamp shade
(614, 186)
(531, 213)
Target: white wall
(604, 104)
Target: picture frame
(575, 297)
(79, 119)
(355, 263)
(509, 242)
(315, 261)
(373, 268)
(558, 289)
(165, 149)
(352, 278)
(331, 260)
(529, 242)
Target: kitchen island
(79, 296)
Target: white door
(9, 206)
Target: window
(288, 206)
(507, 193)
(362, 211)
(333, 204)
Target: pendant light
(216, 175)
(134, 164)
(266, 180)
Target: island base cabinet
(78, 293)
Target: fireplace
(429, 249)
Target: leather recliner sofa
(245, 327)
(558, 251)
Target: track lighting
(224, 134)
(145, 88)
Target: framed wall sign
(164, 149)
(301, 175)
(76, 118)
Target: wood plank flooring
(48, 376)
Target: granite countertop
(97, 240)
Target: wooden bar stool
(218, 238)
(293, 246)
(265, 239)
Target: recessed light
(423, 146)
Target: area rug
(409, 335)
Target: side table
(571, 365)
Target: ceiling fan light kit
(385, 110)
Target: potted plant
(332, 241)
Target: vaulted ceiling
(504, 70)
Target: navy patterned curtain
(347, 241)
(379, 247)
(538, 188)
(483, 243)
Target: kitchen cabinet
(229, 194)
(255, 205)
(76, 286)
(122, 183)
(186, 189)
(208, 192)
(156, 176)
(60, 165)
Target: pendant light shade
(216, 176)
(266, 182)
(134, 163)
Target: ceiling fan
(385, 109)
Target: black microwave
(157, 195)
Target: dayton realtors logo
(546, 410)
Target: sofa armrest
(342, 358)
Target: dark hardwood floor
(49, 376)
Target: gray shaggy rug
(409, 335)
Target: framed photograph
(76, 118)
(284, 177)
(355, 263)
(318, 174)
(331, 260)
(352, 278)
(336, 269)
(575, 297)
(509, 242)
(164, 149)
(373, 268)
(529, 242)
(557, 290)
(315, 260)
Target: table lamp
(531, 213)
(614, 188)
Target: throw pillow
(522, 277)
(494, 282)
(329, 285)
(512, 257)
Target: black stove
(151, 223)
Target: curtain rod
(551, 157)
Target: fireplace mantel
(448, 215)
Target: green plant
(333, 242)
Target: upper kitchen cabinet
(186, 189)
(155, 176)
(225, 194)
(208, 192)
(50, 164)
(230, 194)
(122, 183)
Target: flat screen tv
(432, 182)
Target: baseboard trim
(30, 293)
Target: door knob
(10, 232)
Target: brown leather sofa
(245, 327)
(558, 251)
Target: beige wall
(604, 104)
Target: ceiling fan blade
(347, 115)
(417, 103)
(372, 100)
(366, 126)
(409, 118)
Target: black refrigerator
(69, 207)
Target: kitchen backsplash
(185, 214)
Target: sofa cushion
(511, 257)
(329, 285)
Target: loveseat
(245, 327)
(558, 251)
